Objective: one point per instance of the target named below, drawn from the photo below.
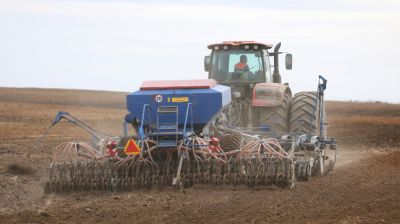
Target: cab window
(223, 66)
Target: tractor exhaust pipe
(275, 75)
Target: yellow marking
(180, 99)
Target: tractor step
(167, 143)
(167, 109)
(166, 133)
(167, 126)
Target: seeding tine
(78, 167)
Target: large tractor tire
(304, 120)
(276, 118)
(304, 114)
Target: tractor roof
(240, 44)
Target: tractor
(259, 99)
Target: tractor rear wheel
(304, 120)
(276, 118)
(304, 114)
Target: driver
(242, 65)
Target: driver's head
(243, 59)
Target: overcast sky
(115, 45)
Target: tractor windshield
(228, 66)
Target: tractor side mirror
(288, 61)
(207, 61)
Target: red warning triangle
(131, 148)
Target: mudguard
(269, 94)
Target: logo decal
(184, 99)
(158, 98)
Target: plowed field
(364, 187)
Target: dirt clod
(17, 169)
(44, 214)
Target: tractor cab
(226, 66)
(245, 67)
